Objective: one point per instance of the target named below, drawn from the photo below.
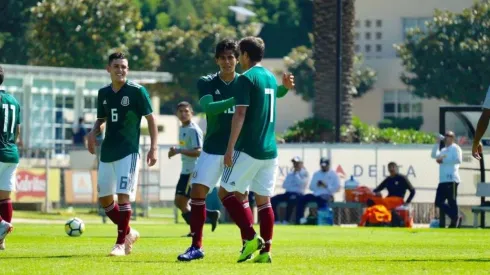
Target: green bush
(309, 130)
(360, 132)
(403, 123)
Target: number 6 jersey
(122, 112)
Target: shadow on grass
(451, 260)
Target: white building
(379, 25)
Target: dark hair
(1, 75)
(116, 55)
(226, 45)
(254, 47)
(370, 203)
(184, 104)
(391, 164)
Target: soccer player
(190, 145)
(216, 97)
(251, 154)
(9, 157)
(121, 106)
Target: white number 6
(114, 114)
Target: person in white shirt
(295, 185)
(449, 159)
(324, 184)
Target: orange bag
(377, 214)
(360, 194)
(389, 202)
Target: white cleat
(2, 244)
(118, 250)
(5, 229)
(131, 238)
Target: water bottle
(325, 216)
(434, 223)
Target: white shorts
(248, 173)
(119, 177)
(7, 176)
(208, 171)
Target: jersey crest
(125, 101)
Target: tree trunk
(325, 56)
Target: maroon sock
(123, 223)
(6, 210)
(238, 214)
(248, 214)
(198, 217)
(112, 211)
(266, 225)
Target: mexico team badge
(125, 101)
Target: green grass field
(45, 249)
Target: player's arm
(152, 128)
(410, 188)
(211, 107)
(482, 125)
(19, 138)
(281, 91)
(436, 153)
(197, 142)
(381, 186)
(287, 84)
(244, 87)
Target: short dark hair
(184, 104)
(253, 46)
(226, 45)
(1, 75)
(116, 55)
(392, 164)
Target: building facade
(379, 25)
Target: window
(379, 23)
(357, 48)
(357, 24)
(367, 48)
(413, 23)
(367, 36)
(401, 103)
(367, 23)
(379, 35)
(357, 35)
(379, 48)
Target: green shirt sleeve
(244, 88)
(215, 107)
(145, 107)
(100, 105)
(19, 115)
(281, 91)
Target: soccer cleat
(5, 228)
(188, 235)
(192, 253)
(264, 257)
(214, 218)
(131, 238)
(250, 247)
(118, 250)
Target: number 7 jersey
(256, 89)
(10, 118)
(122, 112)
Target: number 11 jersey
(9, 119)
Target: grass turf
(45, 249)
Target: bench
(351, 210)
(482, 190)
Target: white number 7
(270, 92)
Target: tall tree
(13, 44)
(325, 59)
(450, 60)
(82, 33)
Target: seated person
(375, 215)
(324, 184)
(397, 186)
(294, 184)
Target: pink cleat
(131, 238)
(118, 250)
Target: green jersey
(9, 119)
(257, 89)
(218, 126)
(122, 111)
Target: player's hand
(91, 142)
(227, 158)
(151, 157)
(288, 80)
(172, 152)
(477, 151)
(439, 160)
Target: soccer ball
(74, 227)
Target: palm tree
(325, 30)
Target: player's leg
(207, 173)
(453, 205)
(237, 179)
(7, 182)
(126, 171)
(263, 187)
(182, 196)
